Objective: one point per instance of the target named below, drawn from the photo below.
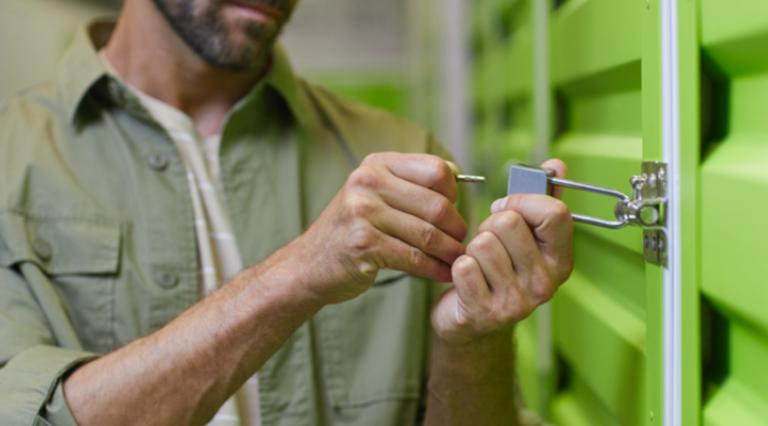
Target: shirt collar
(282, 78)
(82, 70)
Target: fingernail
(496, 205)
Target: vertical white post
(672, 349)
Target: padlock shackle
(611, 224)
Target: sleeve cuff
(29, 380)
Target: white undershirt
(219, 255)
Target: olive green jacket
(97, 244)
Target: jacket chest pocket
(79, 258)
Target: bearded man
(191, 234)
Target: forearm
(184, 372)
(472, 384)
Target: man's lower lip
(260, 9)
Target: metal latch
(645, 208)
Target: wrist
(479, 357)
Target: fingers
(494, 261)
(425, 204)
(474, 294)
(550, 221)
(396, 254)
(425, 170)
(561, 171)
(515, 237)
(419, 234)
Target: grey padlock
(529, 180)
(525, 179)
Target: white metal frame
(672, 306)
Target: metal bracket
(645, 208)
(651, 189)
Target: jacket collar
(81, 71)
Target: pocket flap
(60, 245)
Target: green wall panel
(591, 36)
(600, 313)
(734, 178)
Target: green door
(734, 189)
(601, 316)
(621, 327)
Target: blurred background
(605, 85)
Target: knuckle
(502, 316)
(439, 169)
(464, 320)
(440, 211)
(559, 211)
(463, 267)
(362, 239)
(364, 177)
(482, 243)
(375, 157)
(514, 311)
(429, 236)
(361, 207)
(506, 221)
(416, 258)
(543, 288)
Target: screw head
(648, 215)
(652, 181)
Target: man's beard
(205, 32)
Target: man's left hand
(521, 255)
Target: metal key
(461, 177)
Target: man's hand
(395, 211)
(516, 262)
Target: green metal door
(601, 316)
(679, 81)
(609, 83)
(734, 185)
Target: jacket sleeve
(32, 363)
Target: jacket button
(42, 249)
(158, 161)
(166, 279)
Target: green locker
(600, 316)
(678, 81)
(734, 182)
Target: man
(176, 151)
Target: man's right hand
(395, 211)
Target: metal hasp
(646, 207)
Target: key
(464, 178)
